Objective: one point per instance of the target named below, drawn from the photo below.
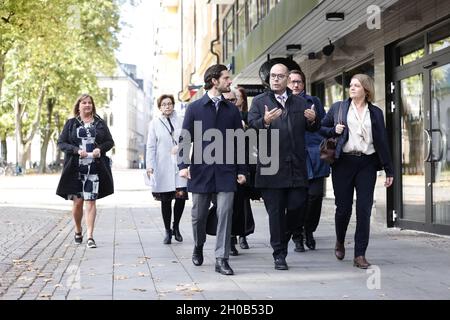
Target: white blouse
(359, 131)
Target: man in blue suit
(208, 173)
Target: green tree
(70, 42)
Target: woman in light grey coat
(162, 146)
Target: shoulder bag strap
(169, 131)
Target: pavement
(39, 261)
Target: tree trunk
(18, 113)
(47, 136)
(26, 142)
(4, 147)
(2, 71)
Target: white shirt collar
(211, 96)
(284, 94)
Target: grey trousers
(201, 203)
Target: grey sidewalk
(132, 263)
(38, 259)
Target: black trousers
(351, 173)
(310, 213)
(282, 205)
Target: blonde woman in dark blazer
(361, 151)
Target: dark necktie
(216, 101)
(281, 99)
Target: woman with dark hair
(87, 175)
(162, 146)
(362, 149)
(243, 222)
(242, 104)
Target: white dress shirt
(359, 131)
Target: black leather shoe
(310, 241)
(197, 256)
(168, 237)
(299, 247)
(243, 243)
(339, 250)
(176, 233)
(361, 262)
(233, 250)
(223, 267)
(280, 264)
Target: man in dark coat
(208, 172)
(285, 191)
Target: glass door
(420, 127)
(414, 146)
(439, 150)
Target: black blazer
(379, 132)
(68, 143)
(292, 171)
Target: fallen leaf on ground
(139, 289)
(120, 277)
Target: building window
(111, 120)
(252, 6)
(263, 9)
(273, 3)
(420, 46)
(410, 51)
(228, 34)
(439, 39)
(241, 16)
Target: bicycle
(6, 169)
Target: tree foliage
(51, 51)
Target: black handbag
(328, 150)
(211, 221)
(328, 145)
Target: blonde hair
(367, 84)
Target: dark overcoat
(292, 171)
(215, 177)
(69, 144)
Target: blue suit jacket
(316, 167)
(379, 133)
(207, 178)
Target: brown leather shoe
(339, 250)
(361, 262)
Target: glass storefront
(421, 74)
